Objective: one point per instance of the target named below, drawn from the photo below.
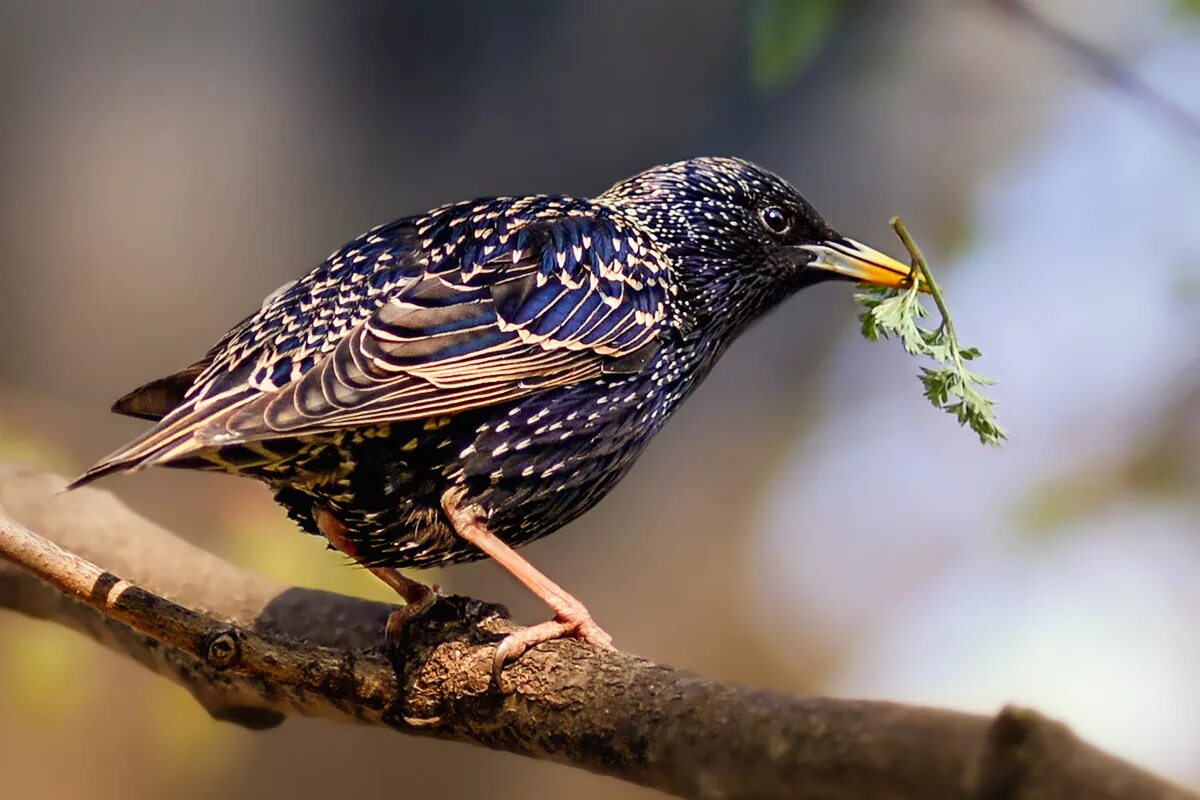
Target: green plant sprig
(953, 388)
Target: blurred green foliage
(18, 446)
(786, 35)
(259, 538)
(187, 748)
(1189, 7)
(1156, 470)
(40, 664)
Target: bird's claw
(511, 647)
(399, 619)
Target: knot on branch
(223, 650)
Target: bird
(455, 384)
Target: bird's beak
(864, 264)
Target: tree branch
(1102, 66)
(252, 651)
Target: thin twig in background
(1102, 66)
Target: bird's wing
(520, 309)
(159, 397)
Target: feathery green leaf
(952, 387)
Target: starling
(456, 384)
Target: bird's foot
(572, 622)
(417, 605)
(418, 597)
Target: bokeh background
(807, 523)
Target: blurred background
(807, 523)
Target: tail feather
(158, 398)
(156, 446)
(176, 436)
(109, 466)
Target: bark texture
(253, 651)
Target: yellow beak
(864, 264)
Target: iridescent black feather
(525, 348)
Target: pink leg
(570, 616)
(417, 596)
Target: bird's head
(741, 238)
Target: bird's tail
(158, 398)
(178, 435)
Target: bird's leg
(418, 597)
(570, 616)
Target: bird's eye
(776, 220)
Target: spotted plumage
(521, 350)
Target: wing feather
(466, 307)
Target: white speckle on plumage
(614, 421)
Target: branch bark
(253, 651)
